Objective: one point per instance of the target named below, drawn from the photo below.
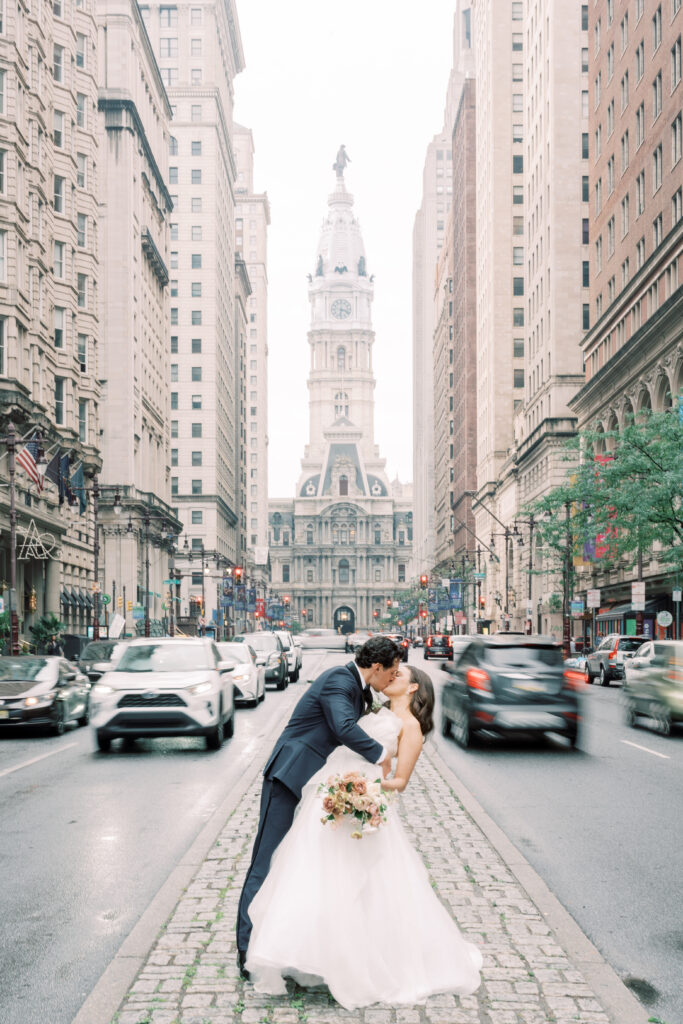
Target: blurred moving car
(459, 642)
(401, 642)
(42, 691)
(438, 645)
(270, 653)
(322, 640)
(354, 641)
(165, 686)
(248, 678)
(99, 657)
(417, 641)
(294, 653)
(654, 691)
(642, 658)
(511, 684)
(607, 661)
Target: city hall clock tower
(343, 546)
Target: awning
(66, 598)
(78, 598)
(88, 598)
(626, 608)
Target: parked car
(438, 645)
(511, 684)
(248, 678)
(42, 691)
(606, 662)
(654, 691)
(270, 653)
(294, 652)
(165, 686)
(401, 642)
(100, 656)
(322, 640)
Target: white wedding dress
(358, 915)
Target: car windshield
(286, 642)
(240, 652)
(261, 641)
(519, 656)
(630, 644)
(170, 657)
(23, 668)
(99, 651)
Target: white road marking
(41, 757)
(646, 749)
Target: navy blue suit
(326, 717)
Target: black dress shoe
(241, 961)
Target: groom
(326, 717)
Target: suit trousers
(278, 805)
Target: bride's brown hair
(422, 700)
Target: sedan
(294, 652)
(248, 678)
(270, 653)
(165, 687)
(653, 692)
(401, 642)
(42, 691)
(99, 657)
(511, 684)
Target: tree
(623, 491)
(47, 626)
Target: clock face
(340, 309)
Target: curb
(110, 991)
(617, 1000)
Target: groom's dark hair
(378, 649)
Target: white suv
(165, 687)
(294, 654)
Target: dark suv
(511, 684)
(269, 652)
(438, 645)
(401, 642)
(606, 662)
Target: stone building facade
(342, 547)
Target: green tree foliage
(46, 627)
(621, 494)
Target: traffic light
(286, 600)
(388, 602)
(423, 613)
(129, 606)
(238, 573)
(304, 613)
(119, 602)
(482, 601)
(375, 614)
(424, 580)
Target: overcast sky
(373, 75)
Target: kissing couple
(360, 917)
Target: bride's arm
(409, 749)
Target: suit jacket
(326, 717)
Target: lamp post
(188, 549)
(531, 523)
(11, 442)
(566, 621)
(96, 558)
(508, 534)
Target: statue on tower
(342, 160)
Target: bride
(360, 915)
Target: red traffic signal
(423, 613)
(424, 580)
(238, 573)
(286, 599)
(375, 614)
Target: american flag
(26, 458)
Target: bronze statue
(342, 160)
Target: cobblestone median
(190, 976)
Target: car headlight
(101, 690)
(273, 659)
(198, 688)
(241, 677)
(41, 699)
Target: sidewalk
(533, 973)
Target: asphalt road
(603, 827)
(86, 841)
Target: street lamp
(508, 534)
(189, 552)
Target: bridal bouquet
(353, 794)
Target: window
(657, 169)
(676, 206)
(82, 351)
(81, 164)
(517, 11)
(584, 145)
(518, 225)
(610, 176)
(624, 273)
(585, 233)
(584, 59)
(517, 288)
(517, 41)
(676, 64)
(585, 274)
(59, 251)
(196, 401)
(598, 255)
(174, 373)
(517, 133)
(58, 63)
(59, 400)
(197, 517)
(174, 428)
(624, 32)
(597, 89)
(598, 196)
(584, 103)
(59, 194)
(174, 399)
(343, 571)
(517, 73)
(518, 378)
(196, 317)
(174, 456)
(169, 17)
(196, 373)
(657, 97)
(624, 152)
(196, 458)
(196, 430)
(3, 78)
(518, 348)
(640, 193)
(196, 204)
(58, 134)
(517, 195)
(196, 288)
(517, 164)
(586, 317)
(518, 316)
(584, 188)
(174, 316)
(343, 485)
(584, 17)
(657, 29)
(168, 47)
(81, 47)
(640, 253)
(640, 125)
(169, 76)
(80, 109)
(657, 231)
(82, 288)
(518, 256)
(196, 112)
(598, 141)
(196, 76)
(195, 233)
(195, 16)
(517, 103)
(676, 137)
(173, 175)
(610, 237)
(196, 345)
(81, 230)
(196, 487)
(196, 176)
(597, 32)
(60, 320)
(624, 215)
(173, 146)
(624, 91)
(83, 420)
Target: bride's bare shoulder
(410, 728)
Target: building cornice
(109, 103)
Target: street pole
(478, 628)
(125, 613)
(113, 603)
(639, 613)
(507, 578)
(202, 628)
(566, 624)
(146, 521)
(96, 559)
(14, 618)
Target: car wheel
(281, 683)
(60, 725)
(85, 717)
(254, 703)
(103, 743)
(214, 740)
(661, 717)
(445, 725)
(230, 726)
(294, 678)
(589, 675)
(604, 678)
(631, 715)
(573, 737)
(424, 655)
(461, 728)
(263, 695)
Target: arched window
(343, 571)
(341, 358)
(343, 485)
(173, 146)
(343, 535)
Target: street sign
(664, 618)
(479, 575)
(576, 607)
(638, 596)
(676, 595)
(593, 599)
(106, 598)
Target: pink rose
(360, 786)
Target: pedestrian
(54, 647)
(325, 718)
(327, 897)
